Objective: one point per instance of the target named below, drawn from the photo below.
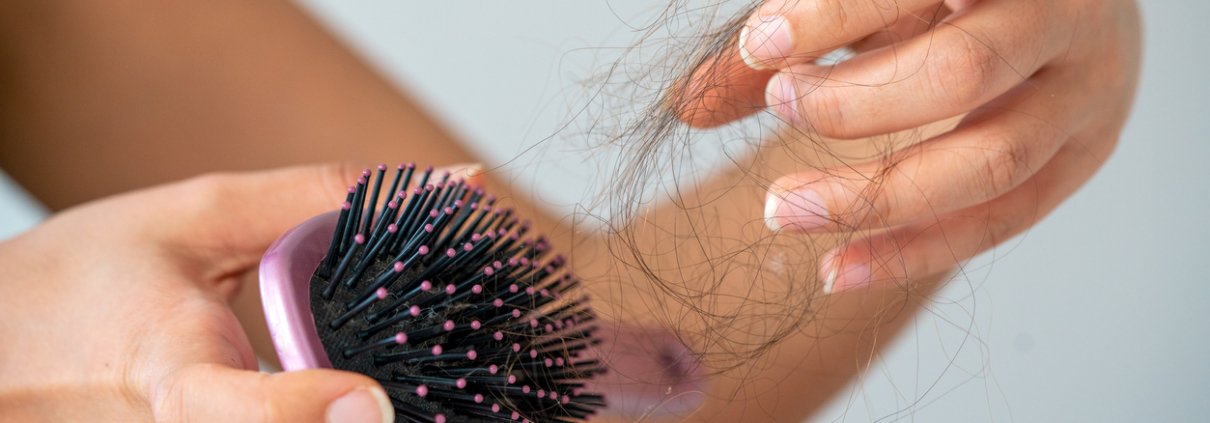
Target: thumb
(238, 215)
(215, 393)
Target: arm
(106, 99)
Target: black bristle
(442, 296)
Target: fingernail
(839, 276)
(781, 96)
(364, 404)
(768, 42)
(803, 209)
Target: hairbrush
(441, 296)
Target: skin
(141, 94)
(1042, 90)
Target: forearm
(747, 297)
(105, 98)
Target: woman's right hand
(118, 310)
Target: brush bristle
(445, 300)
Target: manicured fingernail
(840, 276)
(765, 44)
(781, 96)
(802, 209)
(362, 405)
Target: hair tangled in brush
(444, 298)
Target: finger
(214, 393)
(237, 216)
(786, 32)
(907, 253)
(990, 153)
(921, 21)
(721, 90)
(977, 56)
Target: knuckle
(963, 73)
(168, 403)
(1003, 226)
(205, 192)
(271, 411)
(830, 16)
(335, 177)
(822, 109)
(1004, 166)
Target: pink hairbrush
(447, 302)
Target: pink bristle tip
(493, 369)
(382, 166)
(471, 355)
(478, 289)
(476, 325)
(437, 349)
(440, 418)
(526, 389)
(499, 336)
(460, 383)
(478, 398)
(426, 285)
(422, 391)
(449, 325)
(359, 238)
(467, 247)
(495, 408)
(392, 228)
(424, 249)
(414, 311)
(451, 252)
(398, 266)
(488, 271)
(381, 293)
(512, 379)
(498, 303)
(345, 205)
(450, 289)
(401, 338)
(541, 393)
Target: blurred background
(1097, 314)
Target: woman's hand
(118, 310)
(1044, 88)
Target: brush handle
(285, 278)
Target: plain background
(1098, 314)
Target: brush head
(443, 298)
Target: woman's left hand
(1044, 88)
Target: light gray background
(1097, 314)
